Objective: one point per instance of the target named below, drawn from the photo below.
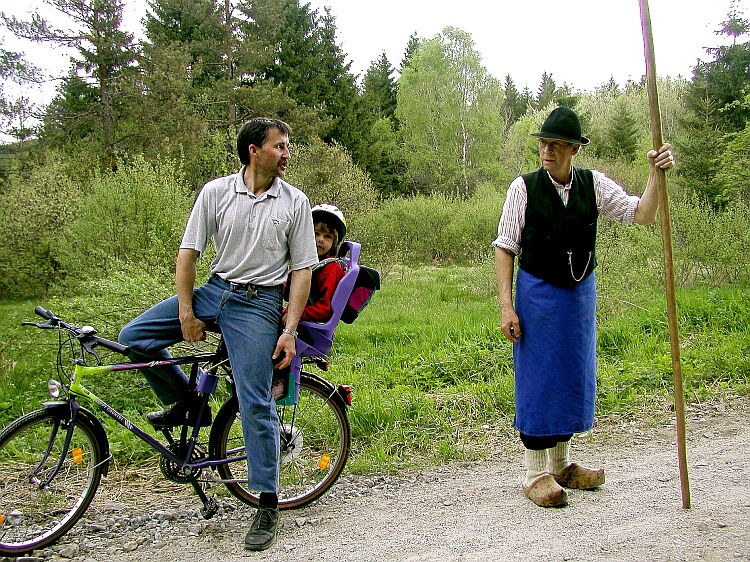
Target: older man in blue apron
(549, 221)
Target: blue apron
(555, 358)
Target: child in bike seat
(330, 229)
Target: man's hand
(509, 323)
(193, 329)
(286, 349)
(662, 158)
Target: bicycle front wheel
(315, 439)
(36, 510)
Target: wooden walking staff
(666, 237)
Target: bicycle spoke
(314, 446)
(33, 515)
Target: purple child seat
(316, 338)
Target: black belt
(249, 287)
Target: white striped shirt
(611, 200)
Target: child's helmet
(330, 214)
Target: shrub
(710, 245)
(328, 175)
(35, 214)
(433, 229)
(135, 214)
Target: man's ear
(252, 150)
(576, 149)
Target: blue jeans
(250, 327)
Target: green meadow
(431, 374)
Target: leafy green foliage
(327, 175)
(514, 104)
(449, 108)
(710, 245)
(715, 109)
(135, 214)
(193, 24)
(36, 214)
(311, 67)
(734, 170)
(383, 160)
(16, 110)
(522, 151)
(379, 89)
(623, 134)
(104, 53)
(437, 229)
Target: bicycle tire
(315, 443)
(32, 517)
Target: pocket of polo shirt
(275, 233)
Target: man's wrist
(289, 331)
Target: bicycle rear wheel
(33, 515)
(315, 439)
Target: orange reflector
(324, 462)
(77, 455)
(2, 518)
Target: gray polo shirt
(258, 239)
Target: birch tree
(450, 111)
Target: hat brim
(582, 141)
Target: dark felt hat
(563, 124)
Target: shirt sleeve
(614, 203)
(201, 225)
(325, 283)
(513, 217)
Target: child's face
(324, 239)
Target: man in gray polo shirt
(262, 229)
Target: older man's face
(557, 157)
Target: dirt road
(477, 512)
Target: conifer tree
(715, 109)
(623, 133)
(104, 54)
(379, 88)
(514, 104)
(16, 110)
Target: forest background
(97, 185)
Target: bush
(433, 229)
(135, 214)
(35, 214)
(328, 175)
(710, 245)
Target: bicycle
(52, 459)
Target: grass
(431, 374)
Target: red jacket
(322, 286)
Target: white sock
(559, 457)
(536, 464)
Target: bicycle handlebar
(44, 313)
(86, 335)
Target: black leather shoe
(262, 533)
(176, 415)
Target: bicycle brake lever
(47, 325)
(89, 347)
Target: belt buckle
(249, 290)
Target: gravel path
(460, 512)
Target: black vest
(558, 242)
